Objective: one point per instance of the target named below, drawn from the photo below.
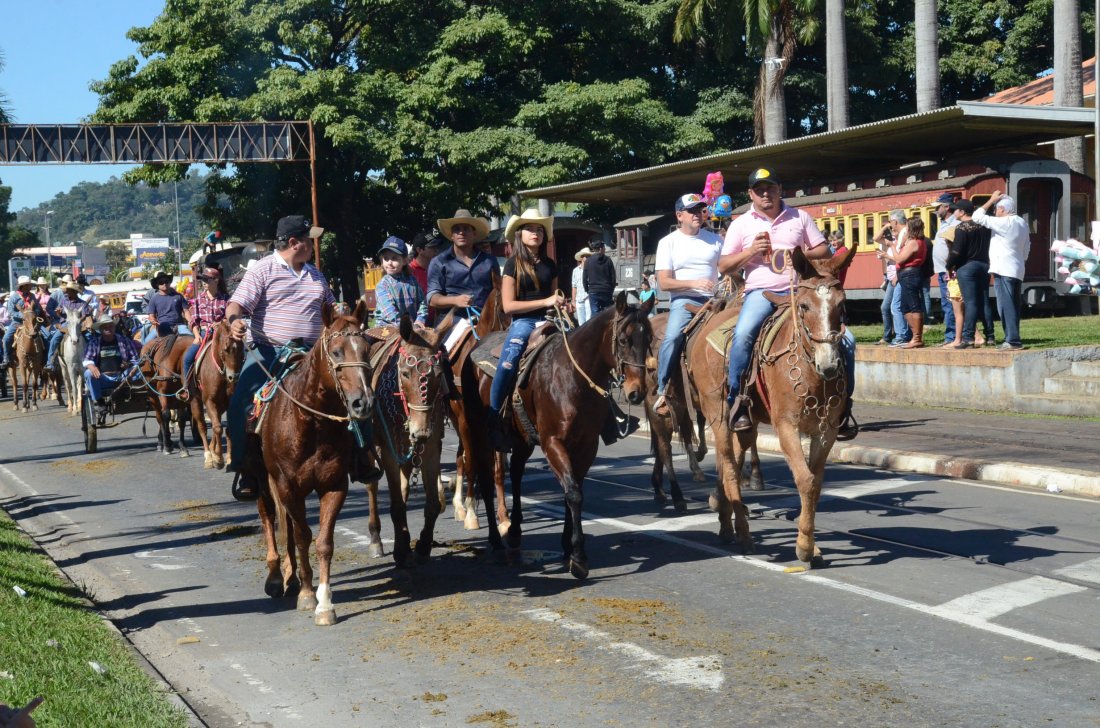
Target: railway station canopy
(966, 129)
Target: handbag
(953, 290)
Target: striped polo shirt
(282, 304)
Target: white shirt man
(1008, 250)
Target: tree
(927, 36)
(1068, 90)
(836, 64)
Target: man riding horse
(283, 296)
(19, 303)
(461, 277)
(756, 242)
(168, 310)
(70, 301)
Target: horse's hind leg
(199, 423)
(504, 522)
(752, 469)
(181, 420)
(270, 519)
(332, 501)
(657, 477)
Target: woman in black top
(529, 288)
(969, 261)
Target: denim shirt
(449, 276)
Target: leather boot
(916, 323)
(498, 439)
(739, 419)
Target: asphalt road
(943, 603)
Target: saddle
(486, 356)
(288, 360)
(720, 339)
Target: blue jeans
(515, 343)
(974, 283)
(9, 341)
(754, 311)
(848, 351)
(598, 303)
(165, 330)
(926, 293)
(887, 315)
(54, 340)
(105, 384)
(948, 310)
(902, 333)
(240, 405)
(1009, 305)
(673, 343)
(189, 360)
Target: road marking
(861, 489)
(358, 539)
(658, 532)
(703, 672)
(1088, 571)
(265, 689)
(993, 602)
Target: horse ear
(620, 303)
(327, 314)
(837, 265)
(361, 312)
(405, 327)
(801, 265)
(445, 325)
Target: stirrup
(849, 428)
(245, 488)
(739, 418)
(660, 406)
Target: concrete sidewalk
(1055, 454)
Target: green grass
(1037, 333)
(47, 639)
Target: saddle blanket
(460, 327)
(486, 354)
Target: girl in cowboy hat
(529, 288)
(207, 310)
(398, 292)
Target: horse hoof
(422, 557)
(185, 454)
(460, 510)
(375, 551)
(470, 522)
(756, 483)
(681, 506)
(726, 535)
(324, 619)
(503, 527)
(307, 602)
(805, 555)
(712, 502)
(208, 465)
(660, 499)
(274, 589)
(577, 569)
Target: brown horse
(565, 400)
(492, 318)
(29, 356)
(210, 385)
(161, 363)
(307, 444)
(800, 392)
(409, 414)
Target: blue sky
(53, 49)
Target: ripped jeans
(515, 343)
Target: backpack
(928, 267)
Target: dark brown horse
(161, 365)
(410, 409)
(565, 400)
(29, 356)
(800, 392)
(306, 444)
(210, 385)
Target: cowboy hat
(42, 281)
(530, 216)
(70, 286)
(103, 320)
(24, 281)
(463, 217)
(161, 275)
(66, 278)
(583, 253)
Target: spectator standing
(941, 248)
(599, 278)
(969, 260)
(909, 259)
(580, 296)
(1008, 250)
(890, 240)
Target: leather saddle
(486, 355)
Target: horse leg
(269, 513)
(809, 488)
(460, 473)
(820, 447)
(521, 453)
(429, 475)
(688, 434)
(562, 464)
(181, 420)
(299, 537)
(402, 548)
(754, 474)
(503, 521)
(701, 439)
(332, 501)
(199, 422)
(374, 523)
(657, 477)
(680, 413)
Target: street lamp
(179, 243)
(49, 251)
(82, 261)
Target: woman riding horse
(207, 309)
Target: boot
(497, 437)
(739, 419)
(916, 323)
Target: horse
(29, 356)
(71, 360)
(209, 387)
(160, 363)
(799, 390)
(409, 414)
(306, 444)
(491, 318)
(565, 400)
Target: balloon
(722, 207)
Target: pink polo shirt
(790, 229)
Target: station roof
(939, 135)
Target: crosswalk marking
(1088, 571)
(998, 600)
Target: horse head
(631, 338)
(229, 351)
(346, 350)
(420, 362)
(818, 307)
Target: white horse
(72, 361)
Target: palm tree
(776, 27)
(5, 108)
(836, 65)
(927, 55)
(1067, 76)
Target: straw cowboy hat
(24, 281)
(104, 320)
(42, 281)
(582, 253)
(530, 216)
(70, 286)
(463, 217)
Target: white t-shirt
(1010, 244)
(940, 247)
(690, 258)
(578, 284)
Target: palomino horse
(409, 414)
(306, 446)
(30, 355)
(492, 318)
(564, 399)
(160, 365)
(210, 385)
(800, 391)
(71, 361)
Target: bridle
(422, 366)
(335, 367)
(822, 288)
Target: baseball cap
(945, 199)
(689, 202)
(965, 205)
(297, 226)
(394, 244)
(763, 174)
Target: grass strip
(49, 637)
(1036, 333)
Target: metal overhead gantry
(230, 142)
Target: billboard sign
(150, 251)
(17, 267)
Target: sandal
(660, 407)
(245, 488)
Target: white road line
(1085, 571)
(703, 672)
(861, 489)
(657, 532)
(358, 539)
(1002, 599)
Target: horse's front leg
(402, 549)
(572, 483)
(181, 420)
(752, 469)
(198, 407)
(726, 499)
(332, 501)
(520, 455)
(270, 518)
(809, 488)
(298, 529)
(429, 474)
(664, 453)
(503, 521)
(657, 476)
